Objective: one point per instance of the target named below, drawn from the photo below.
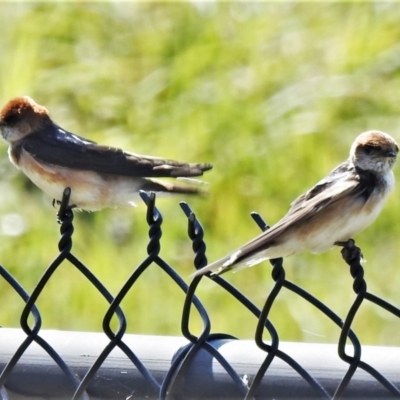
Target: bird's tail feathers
(195, 169)
(194, 186)
(220, 266)
(178, 169)
(235, 262)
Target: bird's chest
(352, 217)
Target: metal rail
(37, 375)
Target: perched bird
(332, 212)
(99, 176)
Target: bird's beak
(391, 154)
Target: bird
(98, 176)
(331, 213)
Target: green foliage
(272, 93)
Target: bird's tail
(162, 168)
(185, 170)
(193, 186)
(235, 261)
(252, 253)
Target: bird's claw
(55, 203)
(350, 252)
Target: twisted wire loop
(278, 275)
(205, 340)
(154, 219)
(30, 306)
(352, 256)
(65, 217)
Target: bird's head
(374, 151)
(20, 117)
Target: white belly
(89, 190)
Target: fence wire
(169, 386)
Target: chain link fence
(40, 364)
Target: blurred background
(273, 94)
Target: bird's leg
(65, 208)
(56, 202)
(350, 252)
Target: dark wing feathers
(340, 172)
(65, 149)
(347, 181)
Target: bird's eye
(11, 119)
(368, 148)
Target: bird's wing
(342, 182)
(65, 149)
(337, 181)
(345, 180)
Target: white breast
(89, 190)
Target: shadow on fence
(180, 379)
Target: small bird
(332, 212)
(98, 176)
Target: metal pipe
(36, 375)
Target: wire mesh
(169, 386)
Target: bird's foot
(350, 252)
(57, 203)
